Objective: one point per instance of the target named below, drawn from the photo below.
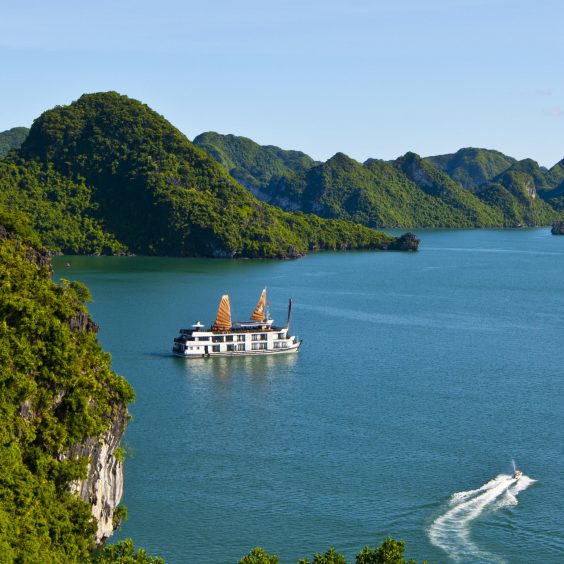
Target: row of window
(238, 338)
(255, 347)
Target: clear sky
(370, 78)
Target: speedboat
(517, 474)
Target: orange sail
(258, 313)
(223, 317)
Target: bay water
(421, 376)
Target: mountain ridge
(144, 188)
(462, 189)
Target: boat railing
(256, 329)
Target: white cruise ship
(225, 338)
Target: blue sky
(369, 78)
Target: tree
(389, 552)
(124, 553)
(330, 557)
(259, 556)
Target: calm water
(421, 376)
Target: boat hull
(293, 349)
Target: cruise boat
(257, 336)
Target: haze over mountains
(469, 188)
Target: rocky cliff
(103, 487)
(558, 228)
(63, 411)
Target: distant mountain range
(469, 188)
(12, 139)
(106, 174)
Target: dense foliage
(61, 210)
(389, 552)
(12, 139)
(131, 180)
(470, 188)
(472, 167)
(57, 388)
(552, 190)
(124, 553)
(249, 163)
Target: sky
(369, 78)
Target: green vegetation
(466, 210)
(57, 389)
(12, 139)
(109, 175)
(259, 556)
(470, 188)
(389, 552)
(381, 194)
(249, 163)
(124, 553)
(553, 190)
(61, 210)
(472, 167)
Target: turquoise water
(421, 376)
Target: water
(421, 376)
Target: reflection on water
(224, 367)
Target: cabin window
(202, 338)
(215, 348)
(281, 335)
(278, 345)
(256, 337)
(230, 347)
(219, 339)
(240, 337)
(259, 346)
(229, 338)
(264, 337)
(241, 347)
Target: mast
(223, 317)
(289, 313)
(259, 311)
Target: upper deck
(259, 328)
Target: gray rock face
(103, 486)
(558, 228)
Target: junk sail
(289, 313)
(258, 314)
(223, 317)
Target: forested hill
(12, 139)
(108, 174)
(472, 167)
(58, 396)
(469, 188)
(251, 164)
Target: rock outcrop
(103, 486)
(407, 242)
(557, 228)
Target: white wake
(451, 531)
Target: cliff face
(103, 487)
(557, 228)
(63, 411)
